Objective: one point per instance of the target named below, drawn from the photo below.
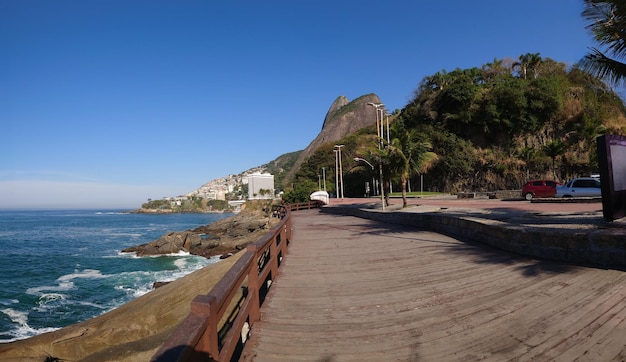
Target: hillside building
(260, 186)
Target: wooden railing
(218, 324)
(305, 205)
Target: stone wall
(594, 247)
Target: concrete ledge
(593, 247)
(565, 200)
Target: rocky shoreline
(223, 237)
(171, 211)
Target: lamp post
(379, 129)
(324, 176)
(336, 174)
(379, 121)
(338, 147)
(387, 118)
(382, 194)
(357, 159)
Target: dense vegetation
(505, 122)
(189, 204)
(490, 128)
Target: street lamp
(379, 122)
(338, 147)
(388, 142)
(336, 174)
(324, 176)
(387, 117)
(382, 194)
(379, 128)
(357, 159)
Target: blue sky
(105, 104)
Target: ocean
(61, 267)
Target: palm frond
(600, 65)
(607, 24)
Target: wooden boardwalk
(357, 290)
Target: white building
(260, 186)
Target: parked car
(580, 187)
(539, 188)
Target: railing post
(253, 286)
(208, 343)
(274, 257)
(284, 239)
(288, 229)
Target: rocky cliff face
(343, 118)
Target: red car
(539, 188)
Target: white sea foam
(8, 301)
(48, 297)
(176, 254)
(65, 282)
(181, 263)
(121, 254)
(16, 316)
(49, 301)
(61, 287)
(85, 274)
(22, 330)
(136, 291)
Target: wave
(7, 302)
(49, 301)
(134, 255)
(135, 292)
(65, 282)
(85, 274)
(22, 330)
(61, 287)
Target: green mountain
(493, 127)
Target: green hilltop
(492, 127)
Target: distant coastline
(171, 211)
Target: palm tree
(438, 80)
(407, 154)
(607, 24)
(554, 149)
(528, 62)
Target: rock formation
(343, 118)
(218, 238)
